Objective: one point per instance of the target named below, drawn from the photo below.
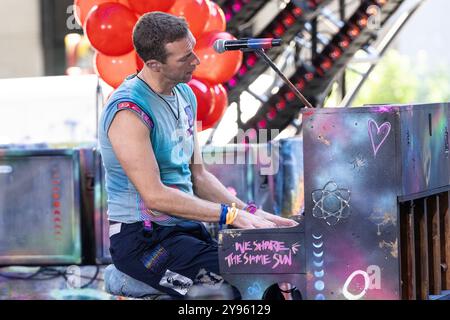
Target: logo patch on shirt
(132, 106)
(190, 116)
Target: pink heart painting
(379, 133)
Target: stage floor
(54, 283)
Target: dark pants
(173, 259)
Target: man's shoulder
(184, 87)
(126, 92)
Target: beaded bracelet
(232, 214)
(223, 215)
(251, 207)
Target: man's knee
(121, 284)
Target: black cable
(93, 278)
(34, 276)
(289, 290)
(53, 273)
(56, 273)
(7, 276)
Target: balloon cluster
(108, 24)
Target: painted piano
(376, 223)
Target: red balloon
(216, 21)
(113, 70)
(205, 98)
(109, 28)
(141, 6)
(196, 13)
(220, 106)
(124, 2)
(82, 8)
(215, 67)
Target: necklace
(177, 117)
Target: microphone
(222, 45)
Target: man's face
(181, 60)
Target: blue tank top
(172, 142)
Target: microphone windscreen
(219, 45)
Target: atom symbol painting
(331, 203)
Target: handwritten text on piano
(264, 252)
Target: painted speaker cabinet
(360, 165)
(230, 165)
(102, 254)
(39, 207)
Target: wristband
(232, 214)
(223, 215)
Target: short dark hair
(153, 31)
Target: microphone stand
(262, 54)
